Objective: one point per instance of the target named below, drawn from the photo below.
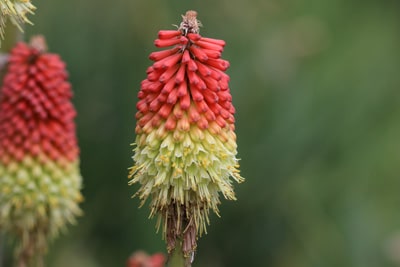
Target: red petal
(167, 34)
(214, 41)
(208, 45)
(202, 123)
(168, 86)
(186, 56)
(170, 124)
(154, 75)
(212, 53)
(193, 77)
(151, 87)
(142, 106)
(156, 120)
(150, 97)
(162, 98)
(221, 122)
(223, 83)
(146, 118)
(210, 96)
(182, 89)
(168, 73)
(192, 66)
(156, 56)
(194, 37)
(212, 84)
(165, 110)
(202, 106)
(224, 113)
(218, 64)
(215, 107)
(180, 75)
(231, 119)
(198, 53)
(224, 96)
(196, 95)
(209, 115)
(232, 109)
(155, 105)
(168, 61)
(185, 102)
(170, 42)
(203, 69)
(172, 97)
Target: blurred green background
(316, 85)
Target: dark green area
(316, 85)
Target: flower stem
(177, 258)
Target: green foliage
(316, 88)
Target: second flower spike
(40, 180)
(185, 154)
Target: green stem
(177, 257)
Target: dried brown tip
(38, 42)
(191, 14)
(190, 23)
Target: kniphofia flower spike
(185, 149)
(40, 180)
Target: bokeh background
(316, 85)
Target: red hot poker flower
(185, 145)
(39, 166)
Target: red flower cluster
(190, 72)
(40, 180)
(36, 115)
